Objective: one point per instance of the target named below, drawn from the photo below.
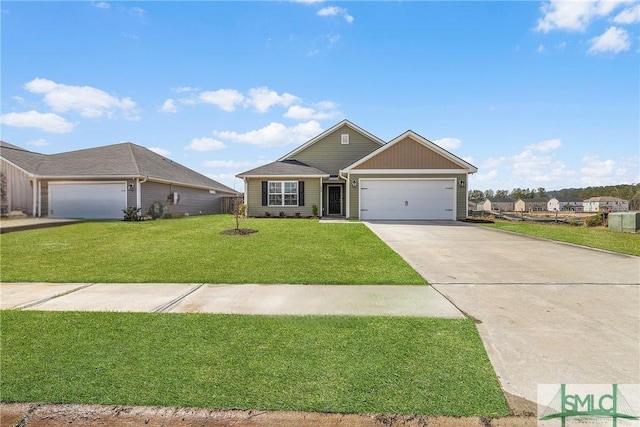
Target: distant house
(605, 203)
(98, 183)
(573, 204)
(530, 205)
(499, 205)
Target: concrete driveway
(547, 312)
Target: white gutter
(35, 196)
(39, 198)
(348, 191)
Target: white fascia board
(327, 132)
(296, 177)
(468, 167)
(408, 171)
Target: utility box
(624, 221)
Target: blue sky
(535, 94)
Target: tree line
(630, 192)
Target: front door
(335, 200)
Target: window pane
(290, 187)
(274, 187)
(290, 199)
(275, 200)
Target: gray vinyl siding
(461, 192)
(193, 201)
(330, 155)
(254, 197)
(19, 189)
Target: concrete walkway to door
(547, 312)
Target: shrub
(132, 214)
(282, 214)
(594, 221)
(314, 209)
(267, 214)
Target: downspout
(35, 196)
(321, 200)
(246, 196)
(138, 192)
(348, 193)
(39, 199)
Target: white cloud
(205, 144)
(324, 110)
(101, 4)
(549, 144)
(448, 143)
(182, 89)
(494, 162)
(262, 99)
(234, 164)
(47, 122)
(336, 11)
(38, 142)
(225, 99)
(482, 177)
(540, 48)
(274, 134)
(160, 151)
(574, 15)
(537, 163)
(596, 172)
(169, 106)
(88, 101)
(613, 40)
(137, 11)
(628, 16)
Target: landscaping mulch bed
(239, 232)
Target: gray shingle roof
(121, 160)
(284, 168)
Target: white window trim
(282, 193)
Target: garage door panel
(87, 200)
(407, 199)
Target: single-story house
(530, 205)
(505, 204)
(573, 204)
(100, 182)
(346, 171)
(605, 203)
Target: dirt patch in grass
(53, 415)
(239, 232)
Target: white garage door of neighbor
(89, 200)
(407, 199)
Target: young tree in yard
(476, 196)
(238, 209)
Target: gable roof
(118, 160)
(291, 168)
(329, 131)
(462, 164)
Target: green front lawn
(297, 251)
(593, 237)
(328, 364)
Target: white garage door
(407, 199)
(88, 200)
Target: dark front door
(335, 199)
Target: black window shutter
(300, 193)
(265, 194)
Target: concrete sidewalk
(392, 300)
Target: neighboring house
(348, 172)
(573, 204)
(500, 205)
(530, 205)
(605, 203)
(98, 183)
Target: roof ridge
(133, 156)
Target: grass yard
(593, 237)
(329, 364)
(192, 250)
